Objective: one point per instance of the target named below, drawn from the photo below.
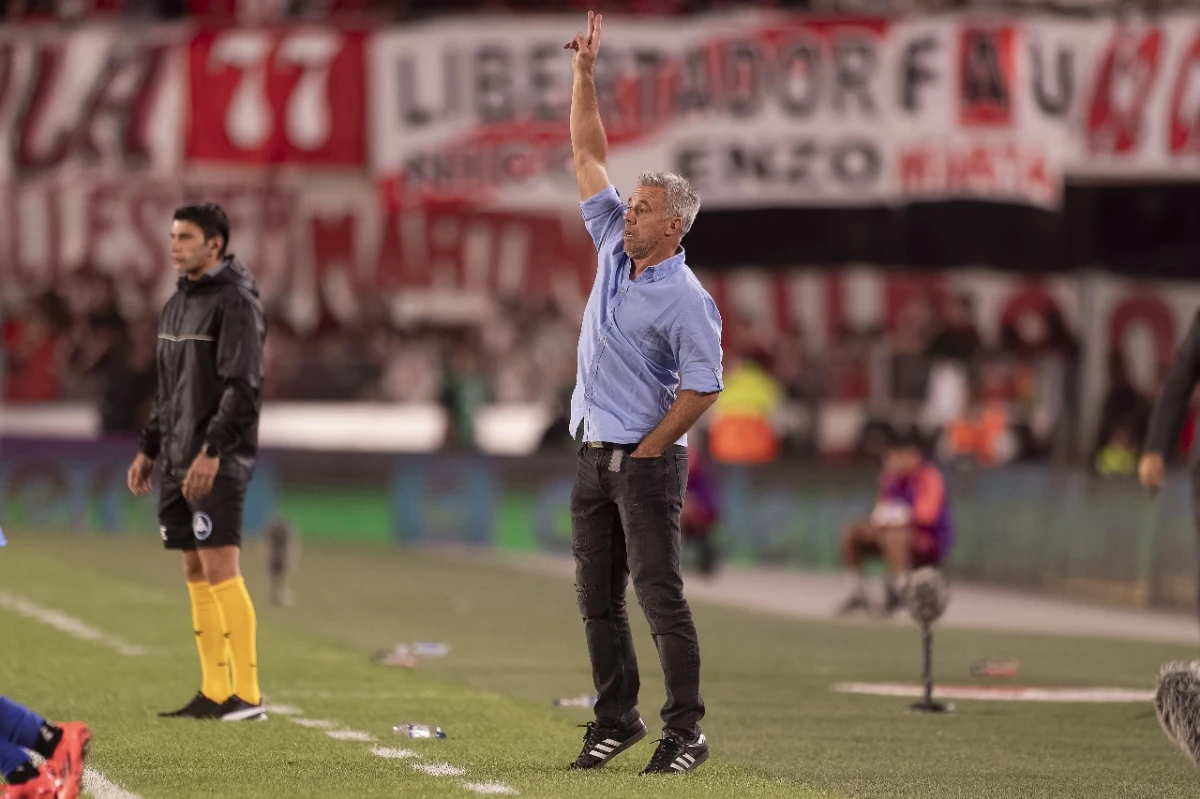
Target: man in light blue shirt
(649, 366)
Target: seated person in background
(1119, 455)
(911, 525)
(700, 511)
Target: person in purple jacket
(911, 526)
(700, 510)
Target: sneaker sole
(73, 776)
(626, 744)
(249, 714)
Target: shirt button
(602, 339)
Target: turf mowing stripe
(102, 787)
(67, 624)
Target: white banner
(756, 110)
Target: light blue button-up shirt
(642, 340)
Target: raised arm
(588, 142)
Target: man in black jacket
(1170, 412)
(203, 433)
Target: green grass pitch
(775, 726)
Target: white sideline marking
(102, 787)
(1000, 693)
(350, 735)
(439, 769)
(389, 753)
(490, 787)
(67, 624)
(315, 724)
(283, 710)
(393, 754)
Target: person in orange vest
(741, 431)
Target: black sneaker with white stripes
(237, 709)
(602, 742)
(676, 756)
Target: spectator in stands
(957, 339)
(911, 525)
(910, 344)
(463, 396)
(801, 373)
(130, 380)
(1119, 455)
(33, 350)
(97, 334)
(981, 436)
(952, 352)
(742, 420)
(701, 507)
(1047, 355)
(1124, 406)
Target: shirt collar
(664, 269)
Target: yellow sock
(241, 628)
(210, 642)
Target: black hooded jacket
(210, 374)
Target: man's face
(646, 221)
(901, 461)
(190, 253)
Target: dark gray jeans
(625, 520)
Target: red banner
(288, 97)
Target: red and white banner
(756, 110)
(100, 99)
(292, 96)
(759, 110)
(1141, 116)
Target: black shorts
(215, 521)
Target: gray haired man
(649, 365)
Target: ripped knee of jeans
(663, 607)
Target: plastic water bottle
(428, 649)
(418, 731)
(587, 700)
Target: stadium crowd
(987, 400)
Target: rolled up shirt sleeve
(696, 339)
(602, 215)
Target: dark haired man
(203, 434)
(911, 525)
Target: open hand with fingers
(139, 474)
(586, 45)
(198, 482)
